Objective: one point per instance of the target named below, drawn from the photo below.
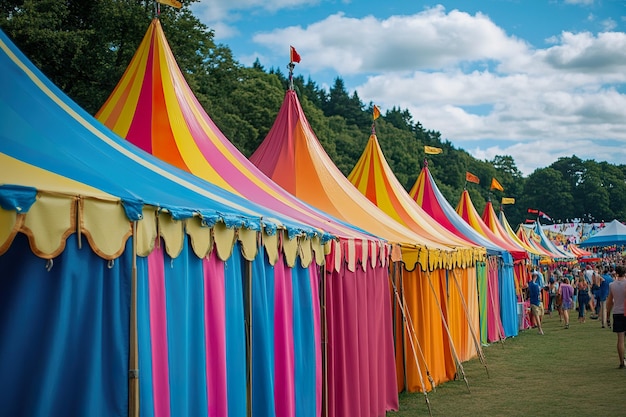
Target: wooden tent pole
(133, 359)
(413, 339)
(247, 296)
(445, 326)
(479, 349)
(324, 321)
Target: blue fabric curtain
(235, 334)
(508, 298)
(64, 333)
(262, 336)
(184, 294)
(304, 343)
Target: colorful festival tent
(120, 271)
(154, 108)
(506, 278)
(520, 267)
(528, 236)
(560, 255)
(614, 233)
(534, 252)
(373, 177)
(292, 155)
(426, 193)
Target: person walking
(604, 283)
(567, 299)
(615, 304)
(536, 307)
(583, 298)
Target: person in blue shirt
(605, 280)
(536, 306)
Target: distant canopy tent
(373, 177)
(154, 108)
(506, 278)
(88, 224)
(426, 193)
(613, 234)
(536, 255)
(561, 255)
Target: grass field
(566, 372)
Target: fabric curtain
(64, 331)
(361, 371)
(508, 297)
(192, 346)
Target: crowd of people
(595, 291)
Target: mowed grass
(565, 372)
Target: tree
(548, 191)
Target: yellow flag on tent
(173, 3)
(508, 200)
(431, 150)
(376, 114)
(495, 185)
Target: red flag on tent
(293, 55)
(469, 177)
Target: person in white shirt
(615, 303)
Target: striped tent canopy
(522, 241)
(562, 255)
(127, 238)
(493, 223)
(292, 156)
(468, 212)
(154, 108)
(373, 177)
(528, 236)
(428, 196)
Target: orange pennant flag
(376, 112)
(294, 56)
(469, 177)
(495, 185)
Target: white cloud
(464, 76)
(428, 40)
(222, 14)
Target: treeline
(85, 46)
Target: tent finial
(291, 66)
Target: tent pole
(133, 362)
(248, 323)
(413, 338)
(479, 349)
(404, 324)
(324, 329)
(445, 326)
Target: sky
(536, 79)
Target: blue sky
(533, 79)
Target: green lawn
(566, 372)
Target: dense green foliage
(84, 48)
